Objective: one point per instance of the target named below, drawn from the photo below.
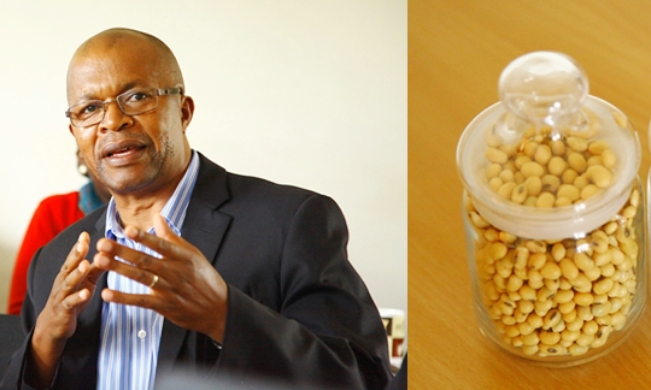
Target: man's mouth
(121, 149)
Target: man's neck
(138, 209)
(139, 214)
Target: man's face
(137, 154)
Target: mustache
(119, 137)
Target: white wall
(305, 92)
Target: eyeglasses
(133, 102)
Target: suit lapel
(93, 312)
(205, 228)
(88, 334)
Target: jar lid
(546, 114)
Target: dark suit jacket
(298, 311)
(11, 336)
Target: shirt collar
(174, 210)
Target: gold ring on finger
(153, 281)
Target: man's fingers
(165, 242)
(140, 300)
(111, 249)
(94, 274)
(77, 253)
(137, 273)
(70, 282)
(71, 302)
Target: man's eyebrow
(129, 86)
(125, 87)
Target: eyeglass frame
(158, 92)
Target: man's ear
(187, 110)
(70, 128)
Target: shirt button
(142, 334)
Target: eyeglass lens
(130, 103)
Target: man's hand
(186, 289)
(71, 292)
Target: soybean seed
(530, 349)
(550, 270)
(521, 160)
(495, 183)
(577, 350)
(567, 308)
(558, 251)
(545, 200)
(545, 294)
(603, 321)
(549, 338)
(550, 183)
(532, 169)
(585, 339)
(581, 181)
(589, 191)
(570, 316)
(497, 156)
(583, 261)
(568, 269)
(569, 176)
(493, 171)
(543, 154)
(527, 293)
(506, 189)
(601, 309)
(552, 284)
(634, 199)
(594, 160)
(535, 320)
(506, 176)
(556, 166)
(617, 319)
(564, 296)
(530, 339)
(590, 327)
(541, 308)
(568, 191)
(514, 283)
(603, 286)
(583, 299)
(607, 270)
(534, 185)
(584, 313)
(557, 148)
(577, 162)
(519, 194)
(575, 325)
(600, 176)
(593, 273)
(577, 144)
(570, 335)
(529, 149)
(609, 159)
(525, 306)
(597, 147)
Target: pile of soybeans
(555, 297)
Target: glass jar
(554, 215)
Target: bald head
(124, 44)
(126, 67)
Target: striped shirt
(130, 335)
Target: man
(226, 274)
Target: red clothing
(52, 216)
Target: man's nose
(114, 119)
